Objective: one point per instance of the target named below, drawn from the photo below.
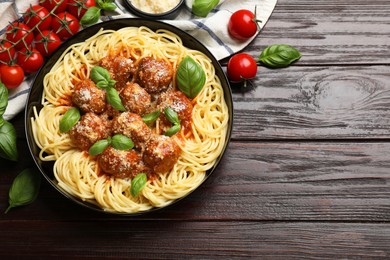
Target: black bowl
(35, 94)
(168, 15)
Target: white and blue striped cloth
(211, 31)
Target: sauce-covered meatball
(121, 69)
(121, 163)
(179, 103)
(88, 97)
(154, 75)
(161, 153)
(132, 126)
(135, 99)
(90, 129)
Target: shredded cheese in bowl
(153, 6)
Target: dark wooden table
(306, 175)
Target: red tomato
(7, 52)
(30, 59)
(11, 75)
(35, 14)
(242, 25)
(46, 42)
(240, 67)
(65, 25)
(78, 7)
(18, 31)
(51, 4)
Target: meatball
(135, 99)
(88, 97)
(132, 126)
(90, 129)
(121, 69)
(121, 163)
(161, 153)
(154, 75)
(179, 103)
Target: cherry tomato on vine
(30, 59)
(51, 4)
(11, 75)
(241, 67)
(78, 7)
(242, 25)
(37, 14)
(46, 42)
(18, 31)
(65, 25)
(7, 52)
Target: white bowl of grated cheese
(155, 9)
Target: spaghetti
(79, 174)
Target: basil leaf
(24, 189)
(151, 117)
(8, 149)
(203, 7)
(114, 100)
(99, 3)
(137, 184)
(173, 130)
(3, 98)
(99, 147)
(190, 77)
(1, 121)
(91, 16)
(108, 6)
(69, 119)
(100, 74)
(279, 55)
(102, 85)
(121, 142)
(172, 116)
(111, 83)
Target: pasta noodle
(78, 173)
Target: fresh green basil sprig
(172, 116)
(8, 149)
(24, 189)
(203, 7)
(279, 55)
(92, 14)
(190, 77)
(102, 77)
(137, 184)
(151, 117)
(69, 119)
(119, 142)
(103, 80)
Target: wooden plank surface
(196, 240)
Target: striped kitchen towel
(211, 31)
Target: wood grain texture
(346, 102)
(330, 32)
(195, 240)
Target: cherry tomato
(35, 14)
(7, 52)
(46, 42)
(18, 31)
(78, 7)
(11, 75)
(65, 25)
(51, 4)
(240, 67)
(30, 59)
(242, 25)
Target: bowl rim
(36, 90)
(144, 14)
